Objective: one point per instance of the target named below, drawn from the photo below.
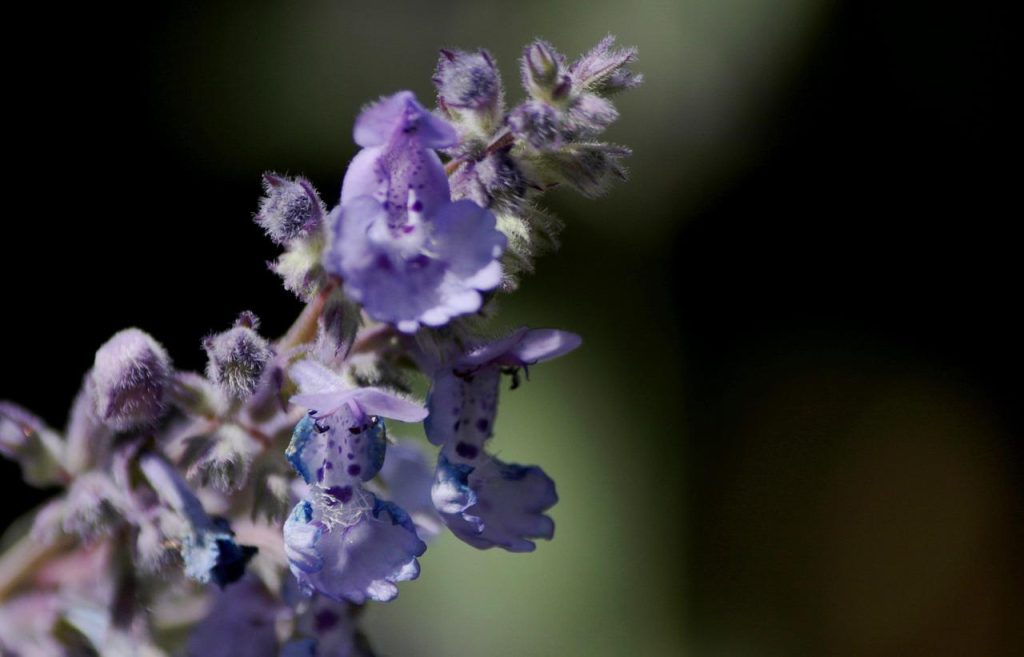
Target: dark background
(827, 329)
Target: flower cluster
(173, 481)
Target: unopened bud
(129, 379)
(336, 328)
(237, 357)
(467, 81)
(537, 124)
(223, 460)
(290, 208)
(544, 72)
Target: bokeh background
(794, 427)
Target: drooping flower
(343, 541)
(404, 250)
(484, 501)
(493, 503)
(464, 396)
(350, 545)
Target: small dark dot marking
(354, 469)
(482, 424)
(343, 493)
(325, 620)
(466, 451)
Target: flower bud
(336, 328)
(537, 124)
(588, 168)
(237, 357)
(590, 115)
(290, 208)
(544, 73)
(129, 379)
(468, 81)
(223, 460)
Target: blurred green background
(792, 429)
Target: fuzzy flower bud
(537, 124)
(223, 460)
(238, 357)
(469, 86)
(291, 208)
(129, 379)
(467, 80)
(544, 72)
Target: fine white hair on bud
(467, 80)
(290, 208)
(129, 380)
(223, 460)
(238, 357)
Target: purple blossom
(404, 250)
(350, 545)
(343, 541)
(484, 501)
(464, 396)
(493, 503)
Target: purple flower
(495, 504)
(464, 396)
(484, 501)
(343, 439)
(343, 541)
(349, 545)
(405, 251)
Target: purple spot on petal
(482, 424)
(417, 206)
(324, 620)
(466, 451)
(354, 469)
(343, 493)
